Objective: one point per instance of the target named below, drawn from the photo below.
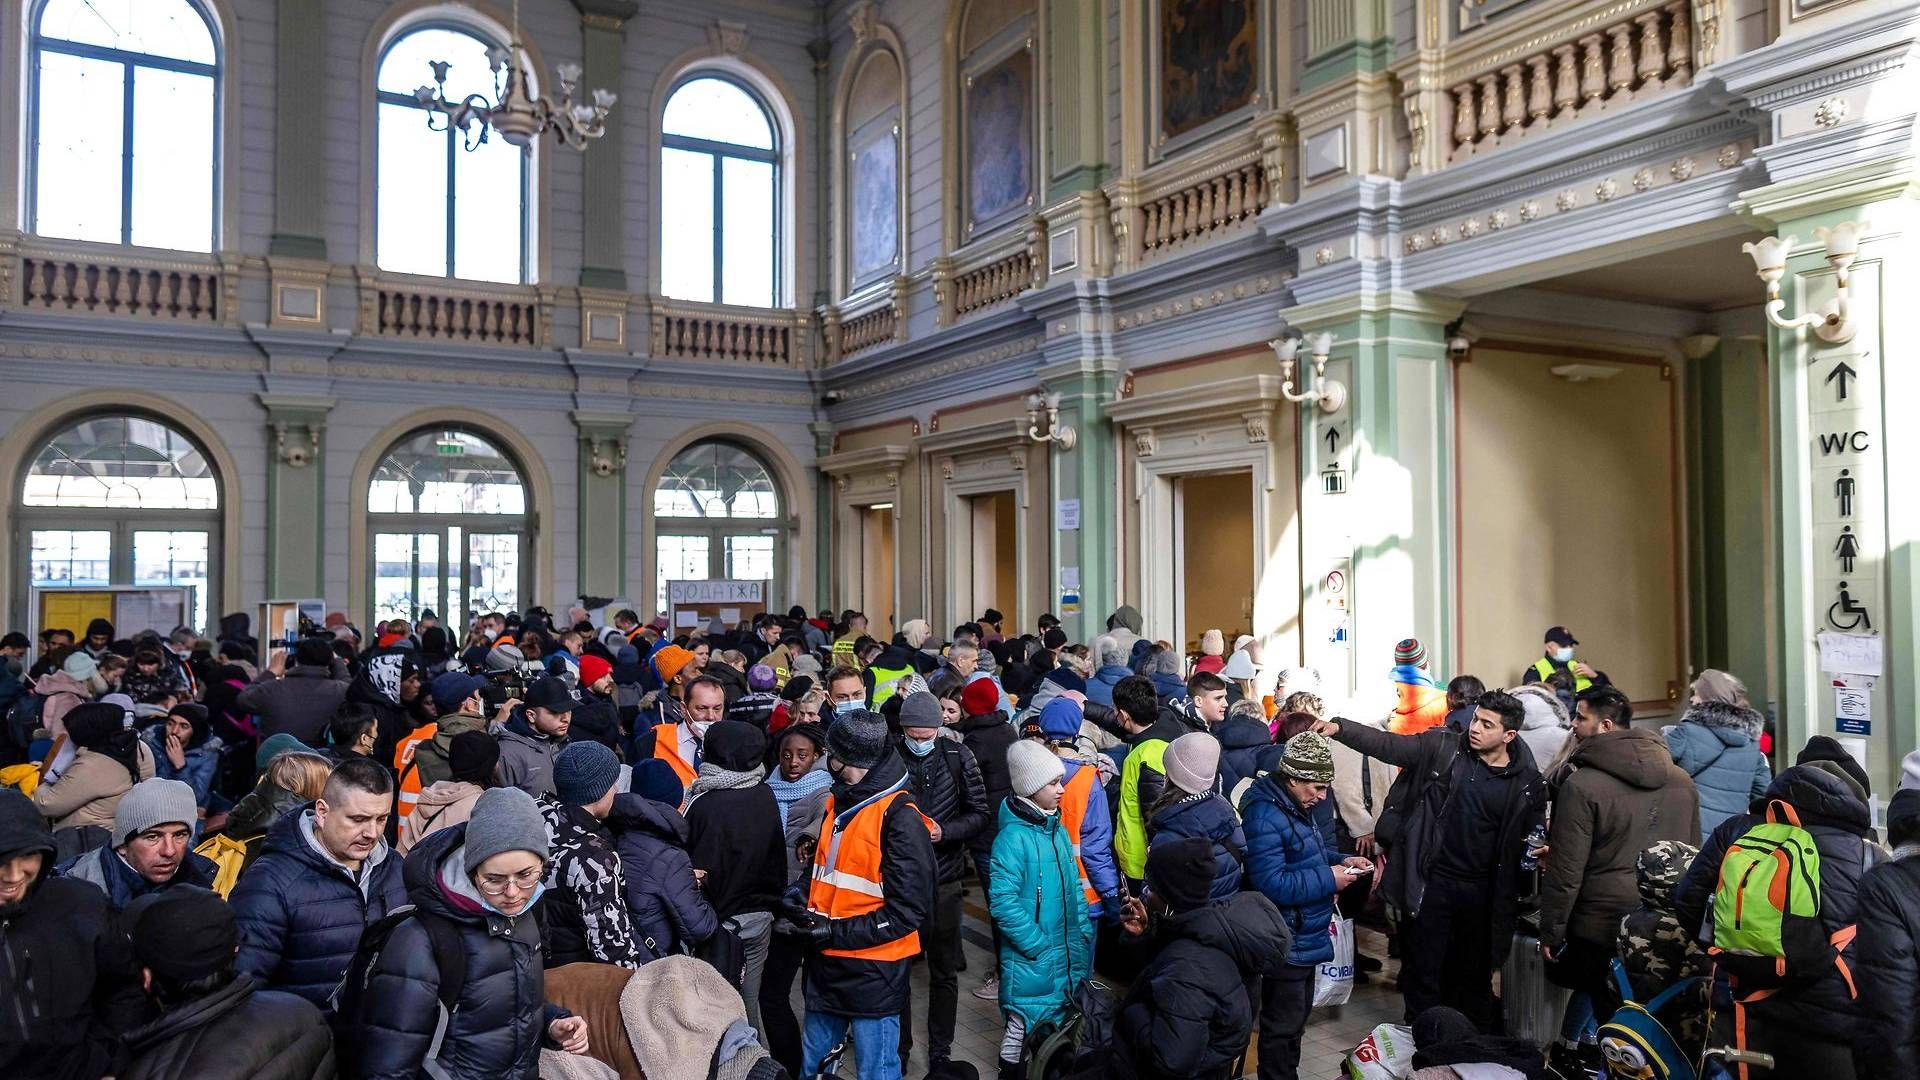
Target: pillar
(823, 575)
(1727, 496)
(296, 495)
(603, 502)
(1076, 98)
(299, 164)
(1084, 474)
(603, 259)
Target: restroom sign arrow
(1842, 372)
(1333, 441)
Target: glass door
(408, 570)
(493, 570)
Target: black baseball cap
(552, 694)
(1559, 636)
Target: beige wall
(1567, 516)
(876, 561)
(1217, 554)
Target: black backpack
(348, 1000)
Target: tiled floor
(1331, 1033)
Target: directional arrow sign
(1842, 372)
(1333, 440)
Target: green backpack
(1766, 908)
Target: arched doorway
(716, 514)
(450, 523)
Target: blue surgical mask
(842, 708)
(1563, 656)
(921, 747)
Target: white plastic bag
(1333, 982)
(1386, 1054)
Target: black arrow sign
(1842, 372)
(1333, 440)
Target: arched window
(715, 515)
(441, 209)
(720, 195)
(996, 98)
(873, 156)
(124, 144)
(450, 524)
(123, 501)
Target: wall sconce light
(1330, 394)
(1830, 323)
(1055, 432)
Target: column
(1376, 482)
(603, 502)
(1077, 97)
(1727, 529)
(296, 495)
(1081, 560)
(299, 163)
(826, 581)
(602, 185)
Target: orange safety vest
(1073, 814)
(403, 762)
(666, 747)
(846, 876)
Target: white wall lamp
(1330, 394)
(1055, 432)
(1830, 323)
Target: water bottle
(1536, 839)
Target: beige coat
(1350, 794)
(443, 804)
(89, 791)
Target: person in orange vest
(872, 886)
(456, 695)
(678, 744)
(1083, 810)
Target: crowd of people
(536, 846)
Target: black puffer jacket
(596, 719)
(1242, 738)
(300, 915)
(238, 1032)
(1887, 970)
(668, 910)
(988, 738)
(67, 981)
(1842, 829)
(947, 787)
(499, 1021)
(1187, 1016)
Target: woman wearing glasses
(481, 880)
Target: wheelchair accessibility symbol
(1845, 614)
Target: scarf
(714, 778)
(787, 792)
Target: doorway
(988, 571)
(876, 598)
(1214, 563)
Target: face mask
(1562, 656)
(491, 633)
(700, 728)
(921, 747)
(842, 708)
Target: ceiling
(1712, 276)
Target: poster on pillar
(1848, 499)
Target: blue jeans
(876, 1043)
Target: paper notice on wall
(1070, 578)
(730, 616)
(1066, 514)
(1853, 704)
(686, 618)
(1852, 654)
(1856, 748)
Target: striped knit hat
(1410, 653)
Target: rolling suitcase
(1531, 1006)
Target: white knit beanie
(1031, 767)
(1213, 642)
(1192, 762)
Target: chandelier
(519, 117)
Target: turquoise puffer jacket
(1046, 940)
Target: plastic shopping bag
(1386, 1054)
(1333, 982)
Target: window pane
(679, 558)
(170, 28)
(746, 259)
(66, 557)
(446, 472)
(77, 181)
(411, 193)
(749, 558)
(686, 236)
(719, 110)
(715, 480)
(173, 558)
(493, 571)
(173, 161)
(406, 568)
(121, 461)
(487, 212)
(406, 64)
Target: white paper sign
(686, 618)
(1066, 514)
(730, 616)
(1852, 654)
(713, 592)
(1070, 578)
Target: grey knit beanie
(153, 801)
(858, 739)
(583, 772)
(1308, 757)
(920, 711)
(1192, 762)
(504, 819)
(505, 657)
(1031, 766)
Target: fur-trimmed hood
(1719, 714)
(1543, 706)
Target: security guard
(1558, 656)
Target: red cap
(980, 698)
(593, 669)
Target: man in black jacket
(1887, 952)
(212, 1024)
(866, 931)
(945, 781)
(736, 838)
(1454, 827)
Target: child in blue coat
(1046, 939)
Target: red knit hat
(593, 669)
(980, 698)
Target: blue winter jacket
(197, 773)
(668, 908)
(1209, 817)
(300, 915)
(123, 884)
(1046, 939)
(1717, 744)
(1100, 687)
(1290, 861)
(1096, 843)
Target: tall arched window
(715, 515)
(450, 524)
(124, 143)
(720, 233)
(123, 500)
(441, 209)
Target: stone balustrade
(119, 282)
(510, 316)
(684, 331)
(1201, 210)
